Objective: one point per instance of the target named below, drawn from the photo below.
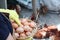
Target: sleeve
(4, 31)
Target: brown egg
(56, 37)
(19, 30)
(52, 27)
(38, 35)
(44, 29)
(32, 24)
(43, 33)
(14, 25)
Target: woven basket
(32, 33)
(28, 37)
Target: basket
(32, 33)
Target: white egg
(22, 35)
(20, 29)
(28, 33)
(16, 35)
(23, 20)
(26, 28)
(26, 23)
(14, 25)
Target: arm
(5, 33)
(9, 12)
(12, 15)
(43, 7)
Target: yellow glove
(12, 15)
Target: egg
(56, 37)
(52, 27)
(28, 33)
(26, 23)
(14, 25)
(23, 21)
(32, 24)
(16, 35)
(30, 29)
(43, 33)
(23, 35)
(26, 28)
(38, 35)
(44, 29)
(19, 30)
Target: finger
(17, 21)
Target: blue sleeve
(4, 31)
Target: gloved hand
(12, 15)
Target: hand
(12, 15)
(44, 9)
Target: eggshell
(23, 21)
(23, 35)
(32, 24)
(26, 23)
(52, 27)
(26, 28)
(20, 29)
(28, 33)
(38, 35)
(14, 25)
(44, 29)
(16, 35)
(43, 33)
